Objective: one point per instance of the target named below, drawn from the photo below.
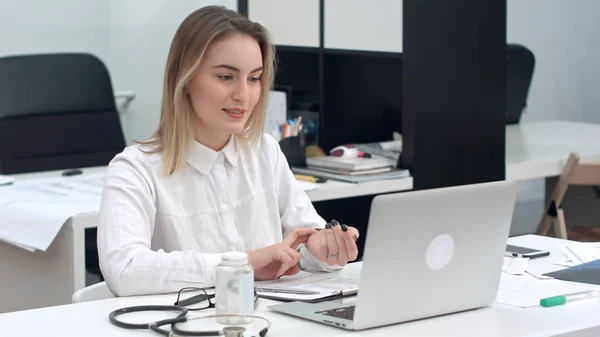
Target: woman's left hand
(335, 244)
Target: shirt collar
(230, 151)
(203, 158)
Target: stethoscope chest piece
(234, 331)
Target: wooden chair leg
(551, 209)
(544, 226)
(560, 227)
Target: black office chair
(57, 111)
(519, 73)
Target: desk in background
(540, 150)
(578, 319)
(32, 280)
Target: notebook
(354, 164)
(584, 273)
(323, 286)
(354, 178)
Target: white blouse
(159, 233)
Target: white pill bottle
(234, 290)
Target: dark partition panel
(454, 91)
(363, 96)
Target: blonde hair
(193, 37)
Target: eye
(225, 77)
(254, 79)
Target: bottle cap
(234, 258)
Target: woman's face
(225, 89)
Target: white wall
(565, 39)
(140, 37)
(42, 26)
(132, 37)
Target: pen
(287, 291)
(562, 299)
(72, 172)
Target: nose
(240, 93)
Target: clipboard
(310, 287)
(333, 296)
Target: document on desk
(526, 291)
(307, 185)
(32, 212)
(581, 252)
(306, 286)
(515, 265)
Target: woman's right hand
(271, 262)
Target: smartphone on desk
(516, 251)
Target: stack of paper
(581, 252)
(6, 180)
(525, 292)
(32, 212)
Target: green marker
(562, 299)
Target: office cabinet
(368, 25)
(290, 22)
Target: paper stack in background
(352, 169)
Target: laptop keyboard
(343, 312)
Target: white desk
(579, 319)
(32, 280)
(540, 150)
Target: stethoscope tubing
(180, 318)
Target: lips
(235, 113)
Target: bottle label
(247, 293)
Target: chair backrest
(57, 111)
(98, 291)
(519, 73)
(574, 173)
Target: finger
(331, 244)
(342, 258)
(288, 258)
(351, 248)
(298, 236)
(285, 266)
(295, 255)
(355, 233)
(292, 271)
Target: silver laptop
(427, 253)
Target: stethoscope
(229, 331)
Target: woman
(209, 181)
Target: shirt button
(225, 200)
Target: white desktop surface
(91, 318)
(540, 149)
